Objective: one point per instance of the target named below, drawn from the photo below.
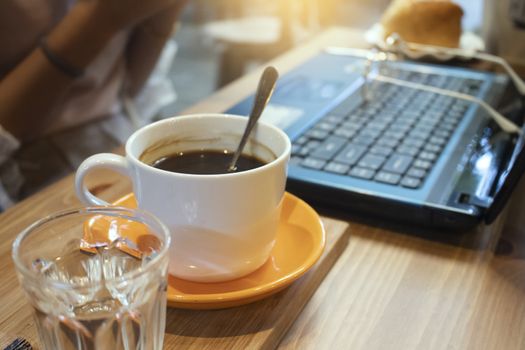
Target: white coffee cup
(223, 226)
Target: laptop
(392, 152)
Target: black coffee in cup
(205, 162)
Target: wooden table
(388, 289)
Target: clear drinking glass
(103, 299)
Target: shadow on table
(477, 239)
(232, 322)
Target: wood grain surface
(402, 288)
(390, 290)
(259, 325)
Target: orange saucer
(299, 244)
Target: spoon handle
(262, 96)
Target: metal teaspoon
(262, 96)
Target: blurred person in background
(68, 62)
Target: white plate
(470, 43)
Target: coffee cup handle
(98, 161)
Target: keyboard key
(438, 107)
(303, 152)
(313, 144)
(432, 148)
(352, 129)
(441, 133)
(407, 150)
(455, 114)
(409, 115)
(385, 117)
(388, 178)
(423, 164)
(377, 125)
(337, 168)
(329, 148)
(402, 123)
(410, 182)
(420, 134)
(362, 173)
(368, 132)
(325, 126)
(313, 163)
(437, 115)
(398, 163)
(402, 128)
(355, 122)
(436, 140)
(392, 134)
(375, 105)
(451, 120)
(417, 173)
(350, 125)
(397, 103)
(460, 107)
(430, 156)
(447, 126)
(415, 143)
(350, 154)
(363, 140)
(430, 118)
(380, 150)
(334, 119)
(387, 142)
(407, 124)
(357, 118)
(317, 134)
(427, 124)
(301, 140)
(344, 132)
(371, 161)
(424, 128)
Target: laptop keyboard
(395, 138)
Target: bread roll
(429, 22)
